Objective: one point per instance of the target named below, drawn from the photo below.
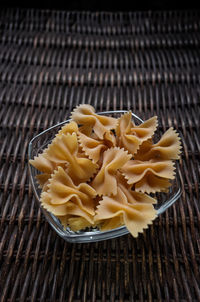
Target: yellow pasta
(105, 182)
(168, 147)
(62, 189)
(47, 166)
(110, 139)
(149, 176)
(65, 211)
(68, 128)
(85, 115)
(64, 198)
(94, 147)
(131, 136)
(76, 223)
(43, 164)
(43, 180)
(87, 130)
(64, 149)
(98, 171)
(133, 209)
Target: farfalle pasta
(68, 128)
(105, 181)
(85, 115)
(149, 176)
(92, 147)
(64, 149)
(64, 198)
(132, 209)
(98, 171)
(131, 136)
(168, 147)
(43, 164)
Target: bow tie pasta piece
(64, 212)
(62, 190)
(105, 182)
(85, 115)
(152, 184)
(168, 147)
(76, 223)
(68, 128)
(112, 223)
(149, 177)
(43, 164)
(64, 149)
(92, 147)
(133, 209)
(131, 136)
(86, 129)
(110, 139)
(43, 180)
(79, 223)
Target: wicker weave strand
(51, 61)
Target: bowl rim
(87, 236)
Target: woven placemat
(51, 61)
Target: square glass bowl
(40, 142)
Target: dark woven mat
(52, 61)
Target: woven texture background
(51, 61)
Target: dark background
(104, 5)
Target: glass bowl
(40, 142)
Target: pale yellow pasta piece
(105, 182)
(110, 139)
(43, 180)
(133, 209)
(63, 220)
(92, 147)
(86, 129)
(149, 176)
(85, 115)
(62, 189)
(74, 210)
(68, 128)
(64, 149)
(79, 223)
(65, 211)
(57, 210)
(131, 136)
(65, 200)
(43, 164)
(151, 184)
(168, 147)
(112, 223)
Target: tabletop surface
(51, 61)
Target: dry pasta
(131, 136)
(98, 171)
(85, 115)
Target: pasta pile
(99, 171)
